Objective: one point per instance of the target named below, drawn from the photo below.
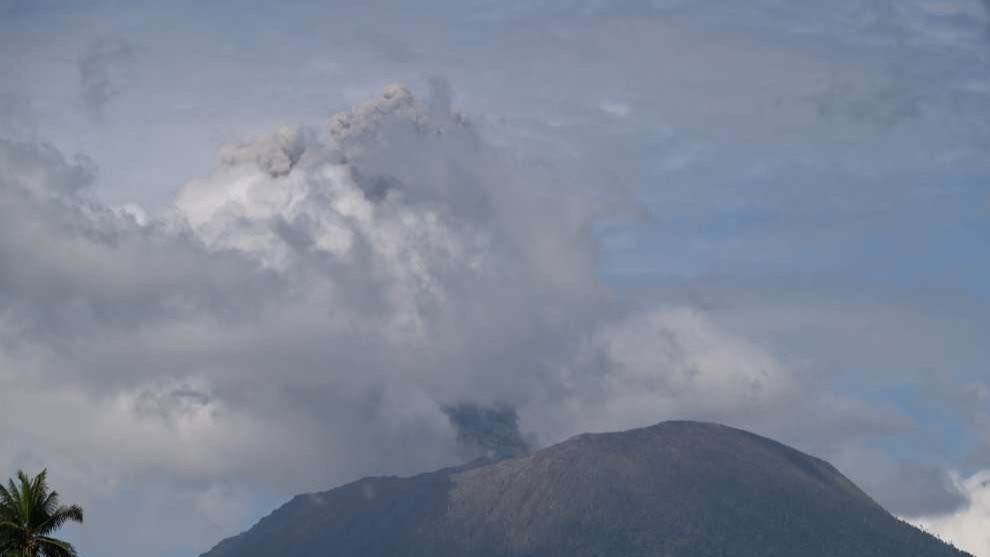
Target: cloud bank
(382, 293)
(967, 527)
(304, 316)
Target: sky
(249, 250)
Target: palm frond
(8, 548)
(39, 484)
(50, 547)
(50, 504)
(35, 494)
(5, 496)
(15, 494)
(29, 513)
(8, 525)
(25, 497)
(58, 518)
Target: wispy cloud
(102, 70)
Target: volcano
(676, 489)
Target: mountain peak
(676, 488)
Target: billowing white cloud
(311, 312)
(667, 363)
(967, 527)
(294, 321)
(311, 309)
(346, 283)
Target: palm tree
(29, 514)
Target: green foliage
(29, 514)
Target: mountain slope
(683, 489)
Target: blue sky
(768, 213)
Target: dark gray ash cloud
(490, 432)
(103, 68)
(275, 154)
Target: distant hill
(677, 489)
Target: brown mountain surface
(678, 489)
